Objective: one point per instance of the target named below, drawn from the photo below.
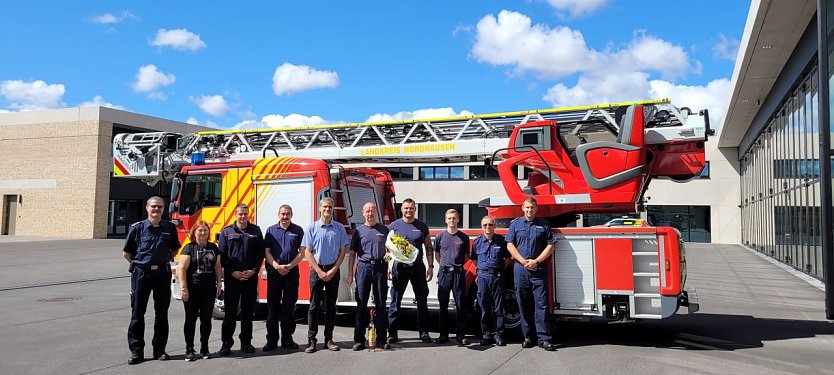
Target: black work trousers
(323, 294)
(239, 295)
(143, 281)
(199, 305)
(281, 296)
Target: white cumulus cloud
(726, 48)
(289, 78)
(178, 39)
(280, 121)
(110, 18)
(512, 40)
(215, 105)
(418, 114)
(32, 95)
(149, 80)
(211, 124)
(646, 67)
(576, 8)
(98, 101)
(637, 86)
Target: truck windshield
(200, 191)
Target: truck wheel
(512, 315)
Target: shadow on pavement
(693, 332)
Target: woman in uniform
(200, 279)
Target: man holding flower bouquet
(417, 233)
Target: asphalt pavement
(65, 309)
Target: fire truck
(581, 159)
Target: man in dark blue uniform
(452, 251)
(489, 251)
(368, 244)
(531, 242)
(282, 257)
(149, 247)
(242, 250)
(417, 233)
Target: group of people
(242, 248)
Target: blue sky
(245, 64)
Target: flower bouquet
(400, 249)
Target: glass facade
(434, 214)
(692, 221)
(780, 183)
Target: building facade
(56, 172)
(778, 123)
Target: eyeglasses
(487, 225)
(155, 206)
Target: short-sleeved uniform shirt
(241, 250)
(201, 268)
(324, 241)
(415, 232)
(151, 245)
(530, 237)
(453, 248)
(369, 242)
(283, 243)
(490, 253)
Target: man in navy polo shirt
(324, 246)
(489, 251)
(282, 242)
(417, 233)
(149, 247)
(452, 248)
(368, 244)
(242, 250)
(530, 242)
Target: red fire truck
(582, 159)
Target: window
(796, 168)
(401, 173)
(692, 221)
(441, 173)
(481, 172)
(584, 132)
(434, 214)
(476, 213)
(705, 171)
(592, 219)
(201, 190)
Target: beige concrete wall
(720, 192)
(57, 169)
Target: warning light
(198, 158)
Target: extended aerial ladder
(593, 158)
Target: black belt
(451, 268)
(153, 267)
(372, 261)
(491, 271)
(416, 262)
(326, 267)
